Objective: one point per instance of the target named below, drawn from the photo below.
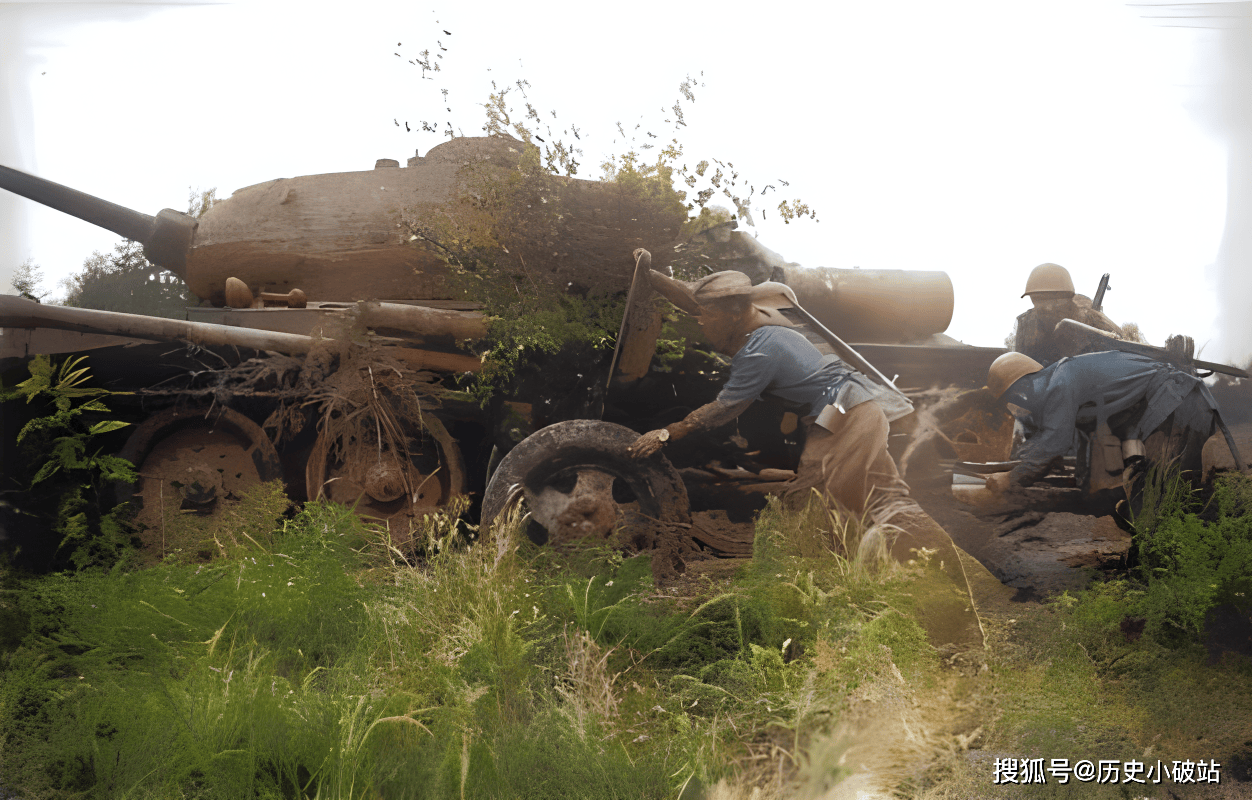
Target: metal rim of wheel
(380, 485)
(578, 480)
(200, 456)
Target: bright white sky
(980, 138)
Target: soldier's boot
(945, 605)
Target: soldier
(1051, 290)
(1137, 397)
(845, 453)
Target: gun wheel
(193, 461)
(382, 483)
(576, 481)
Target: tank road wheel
(200, 461)
(577, 480)
(381, 484)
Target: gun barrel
(879, 305)
(165, 237)
(17, 312)
(119, 219)
(1098, 302)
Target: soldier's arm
(705, 418)
(1098, 319)
(1030, 471)
(1054, 422)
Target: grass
(310, 658)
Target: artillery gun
(293, 273)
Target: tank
(295, 275)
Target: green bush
(69, 471)
(1190, 565)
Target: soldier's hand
(648, 443)
(998, 482)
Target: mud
(1035, 551)
(1047, 553)
(721, 536)
(1216, 453)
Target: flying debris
(540, 138)
(406, 127)
(449, 33)
(767, 188)
(393, 119)
(783, 182)
(650, 133)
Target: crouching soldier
(1051, 291)
(845, 454)
(1158, 412)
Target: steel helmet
(1049, 278)
(1006, 369)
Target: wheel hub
(201, 486)
(384, 480)
(587, 510)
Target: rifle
(1160, 353)
(1098, 302)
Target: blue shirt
(783, 362)
(1088, 389)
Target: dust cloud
(1219, 101)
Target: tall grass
(312, 658)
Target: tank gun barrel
(165, 237)
(18, 312)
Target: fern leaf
(46, 471)
(105, 426)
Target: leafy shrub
(1189, 565)
(70, 470)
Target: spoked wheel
(383, 483)
(577, 481)
(203, 459)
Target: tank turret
(353, 235)
(381, 258)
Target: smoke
(30, 30)
(1220, 102)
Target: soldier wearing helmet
(845, 453)
(1158, 412)
(1051, 290)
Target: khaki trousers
(850, 464)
